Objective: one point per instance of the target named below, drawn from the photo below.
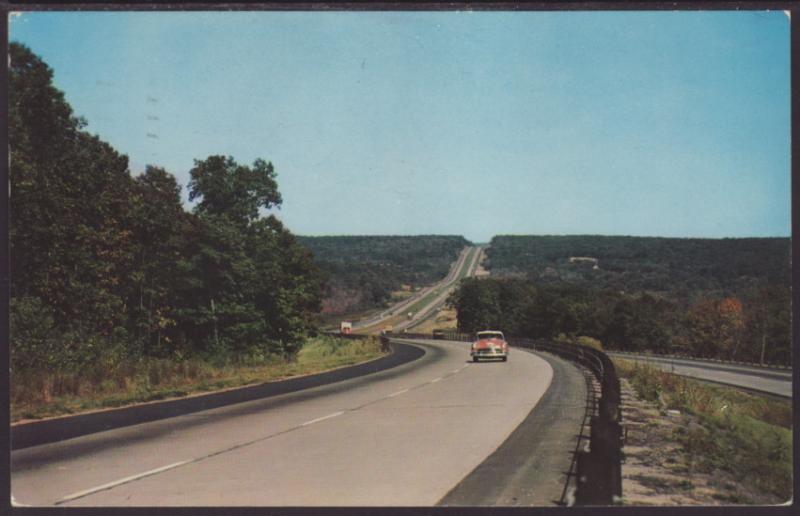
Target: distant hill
(364, 270)
(633, 264)
(727, 299)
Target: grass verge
(747, 436)
(36, 395)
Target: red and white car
(489, 344)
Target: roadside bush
(326, 348)
(34, 344)
(589, 341)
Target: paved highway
(405, 436)
(771, 381)
(464, 266)
(424, 312)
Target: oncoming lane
(770, 381)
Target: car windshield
(490, 335)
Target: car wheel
(505, 358)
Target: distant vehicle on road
(387, 329)
(489, 344)
(438, 334)
(346, 328)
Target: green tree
(70, 253)
(258, 285)
(767, 325)
(288, 285)
(477, 303)
(105, 265)
(638, 324)
(161, 227)
(226, 188)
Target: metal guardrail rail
(767, 366)
(597, 471)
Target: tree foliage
(226, 188)
(363, 270)
(676, 267)
(105, 264)
(754, 328)
(723, 298)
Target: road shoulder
(530, 467)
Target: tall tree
(161, 228)
(70, 253)
(226, 188)
(477, 303)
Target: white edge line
(115, 483)
(323, 418)
(436, 379)
(398, 393)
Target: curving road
(406, 436)
(777, 382)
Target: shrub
(589, 341)
(32, 333)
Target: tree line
(107, 265)
(685, 268)
(363, 271)
(753, 327)
(724, 298)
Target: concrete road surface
(403, 437)
(771, 381)
(430, 309)
(464, 266)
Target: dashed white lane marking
(92, 490)
(86, 492)
(323, 418)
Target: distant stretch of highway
(772, 381)
(423, 303)
(413, 435)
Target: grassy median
(36, 395)
(747, 436)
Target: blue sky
(472, 123)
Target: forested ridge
(676, 266)
(714, 298)
(363, 271)
(108, 268)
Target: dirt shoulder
(656, 469)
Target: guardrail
(598, 470)
(703, 359)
